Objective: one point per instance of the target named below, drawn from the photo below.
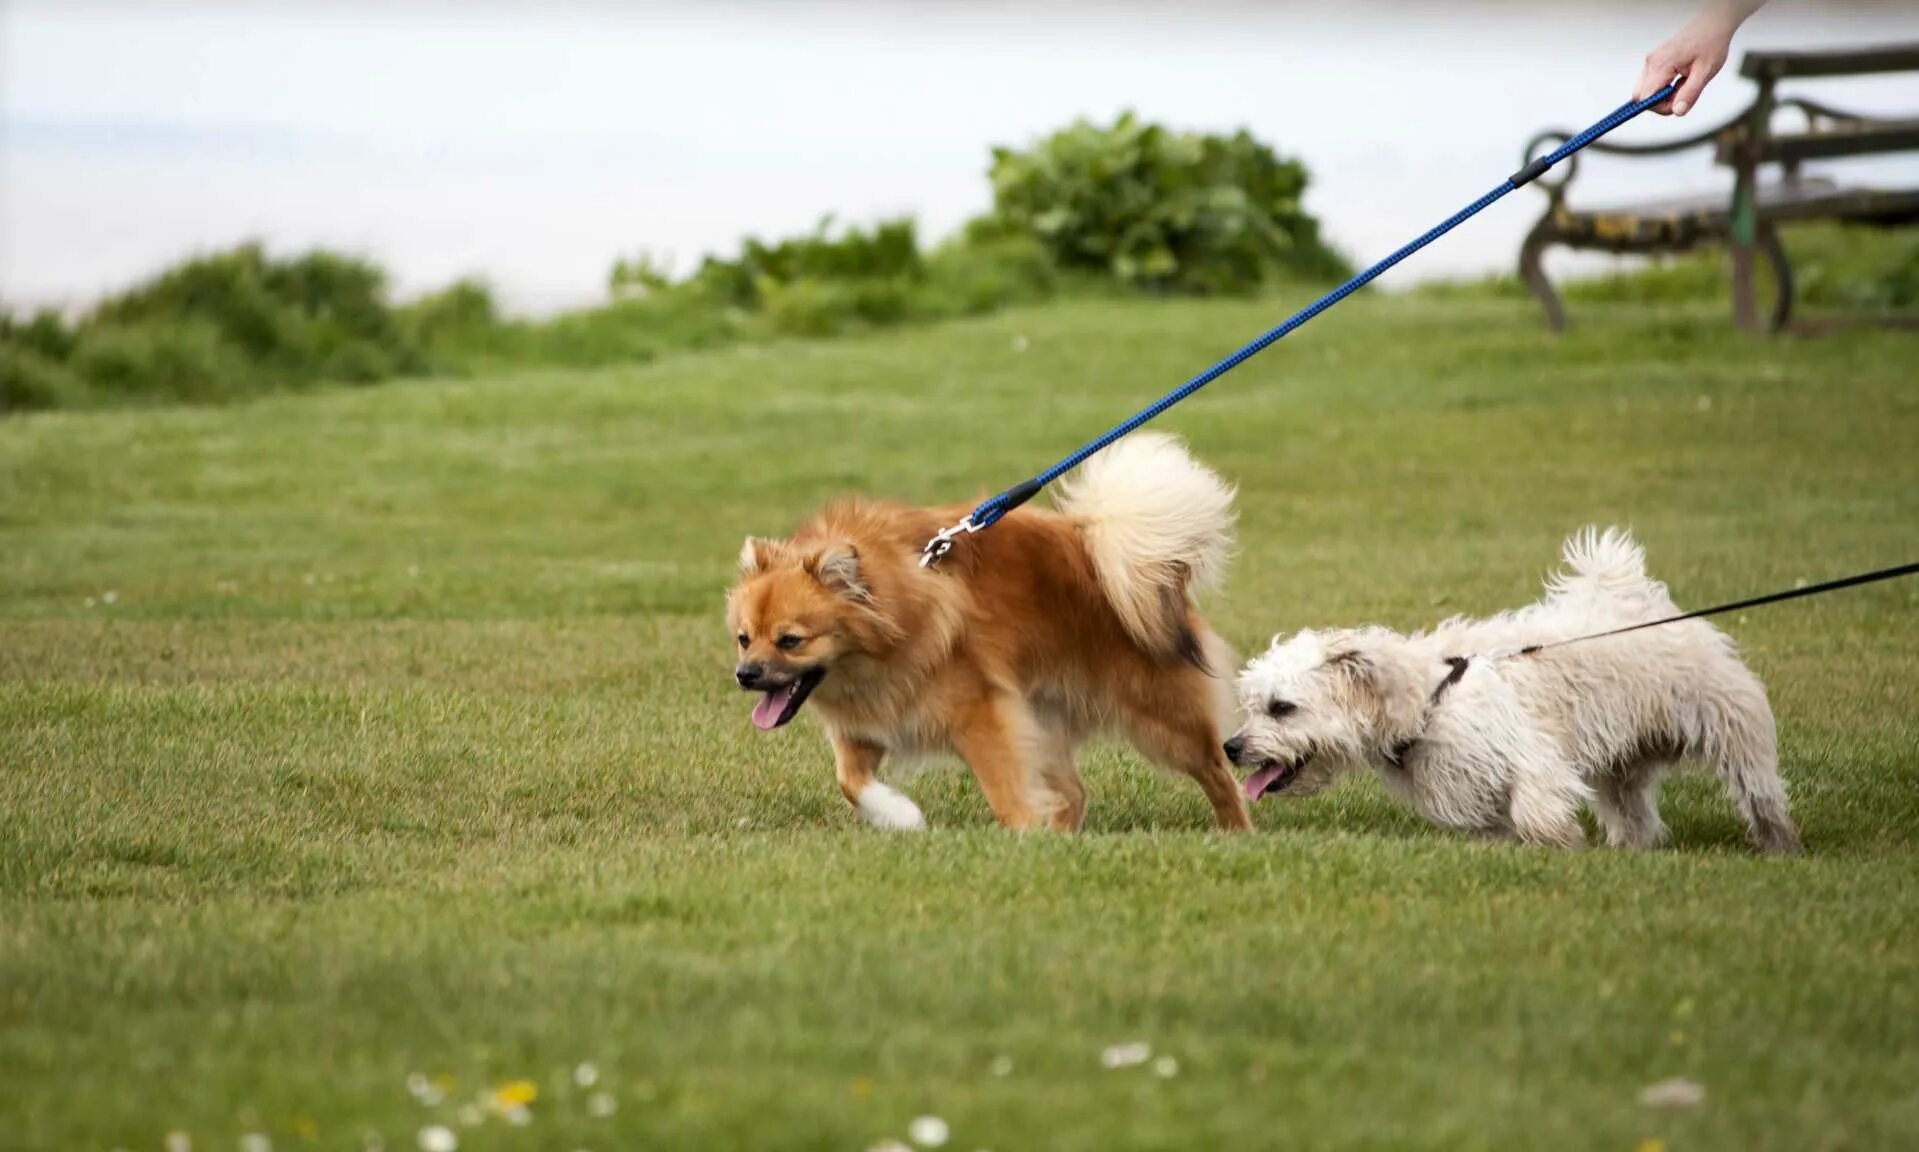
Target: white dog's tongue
(766, 714)
(1258, 782)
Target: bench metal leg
(1745, 303)
(1775, 254)
(1533, 271)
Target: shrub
(887, 254)
(1163, 210)
(179, 360)
(979, 272)
(29, 380)
(45, 334)
(453, 325)
(309, 317)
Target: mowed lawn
(362, 734)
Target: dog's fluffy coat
(1514, 744)
(1012, 649)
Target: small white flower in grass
(586, 1075)
(438, 1138)
(1002, 1066)
(1165, 1067)
(307, 579)
(928, 1131)
(109, 597)
(1126, 1055)
(1705, 403)
(519, 1116)
(1677, 1092)
(471, 1116)
(424, 1090)
(1021, 344)
(412, 569)
(601, 1104)
(179, 1142)
(90, 601)
(255, 1142)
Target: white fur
(1519, 742)
(1153, 518)
(885, 807)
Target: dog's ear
(757, 555)
(837, 566)
(1346, 657)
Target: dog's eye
(743, 640)
(1280, 709)
(788, 642)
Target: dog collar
(1396, 755)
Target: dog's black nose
(749, 675)
(1235, 748)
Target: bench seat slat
(1683, 222)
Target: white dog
(1478, 734)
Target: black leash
(1756, 601)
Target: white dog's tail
(1157, 524)
(1606, 565)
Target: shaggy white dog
(1480, 735)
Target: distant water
(532, 144)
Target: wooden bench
(1747, 221)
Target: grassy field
(362, 734)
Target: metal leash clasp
(942, 543)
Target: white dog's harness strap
(1396, 755)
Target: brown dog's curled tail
(1158, 525)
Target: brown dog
(1013, 649)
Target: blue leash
(992, 509)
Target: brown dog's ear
(757, 555)
(837, 566)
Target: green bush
(1162, 210)
(312, 317)
(29, 380)
(178, 360)
(45, 334)
(978, 272)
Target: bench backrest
(1840, 62)
(1835, 134)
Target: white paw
(885, 807)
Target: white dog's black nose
(1235, 748)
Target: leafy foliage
(1163, 210)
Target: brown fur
(1008, 653)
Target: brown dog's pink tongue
(1258, 782)
(766, 714)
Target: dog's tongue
(1258, 782)
(766, 714)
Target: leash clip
(942, 543)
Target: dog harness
(1396, 755)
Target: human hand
(1696, 53)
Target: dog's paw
(885, 807)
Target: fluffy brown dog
(1013, 649)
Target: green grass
(356, 734)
